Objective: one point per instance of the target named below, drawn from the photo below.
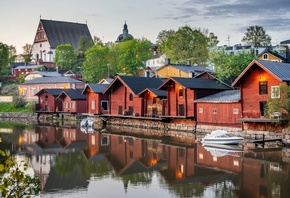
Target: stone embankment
(18, 117)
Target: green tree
(13, 180)
(187, 44)
(132, 55)
(27, 50)
(65, 56)
(95, 66)
(281, 103)
(162, 38)
(84, 44)
(12, 53)
(256, 36)
(228, 66)
(4, 58)
(212, 40)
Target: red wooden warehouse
(47, 100)
(73, 101)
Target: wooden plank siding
(219, 113)
(250, 96)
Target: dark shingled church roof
(60, 32)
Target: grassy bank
(9, 107)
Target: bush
(19, 102)
(11, 89)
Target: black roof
(200, 83)
(60, 32)
(74, 94)
(54, 92)
(138, 83)
(155, 91)
(97, 88)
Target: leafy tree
(162, 38)
(256, 35)
(97, 41)
(228, 66)
(132, 55)
(65, 56)
(212, 40)
(27, 52)
(4, 57)
(14, 182)
(84, 44)
(186, 44)
(95, 66)
(280, 104)
(12, 53)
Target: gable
(60, 32)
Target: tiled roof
(48, 73)
(222, 97)
(27, 66)
(155, 91)
(200, 83)
(281, 70)
(97, 88)
(52, 80)
(137, 83)
(75, 94)
(53, 92)
(60, 32)
(194, 69)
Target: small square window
(214, 111)
(263, 87)
(236, 111)
(131, 97)
(180, 92)
(200, 110)
(275, 92)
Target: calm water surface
(73, 163)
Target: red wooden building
(154, 102)
(223, 108)
(98, 102)
(260, 80)
(124, 94)
(73, 101)
(47, 100)
(181, 92)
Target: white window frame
(235, 111)
(275, 92)
(93, 104)
(200, 110)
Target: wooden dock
(264, 140)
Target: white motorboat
(221, 137)
(87, 123)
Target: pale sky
(105, 18)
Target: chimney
(189, 62)
(167, 61)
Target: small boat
(221, 137)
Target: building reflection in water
(65, 158)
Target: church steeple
(124, 35)
(125, 30)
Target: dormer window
(265, 56)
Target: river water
(71, 162)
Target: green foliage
(83, 45)
(9, 107)
(11, 89)
(212, 40)
(27, 49)
(256, 35)
(4, 57)
(95, 66)
(65, 56)
(15, 183)
(184, 44)
(228, 66)
(281, 104)
(21, 78)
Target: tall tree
(257, 36)
(162, 38)
(4, 57)
(12, 53)
(65, 56)
(187, 44)
(96, 65)
(212, 40)
(132, 55)
(83, 45)
(228, 66)
(27, 50)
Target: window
(131, 97)
(265, 56)
(200, 110)
(25, 91)
(180, 92)
(72, 105)
(33, 91)
(214, 110)
(236, 111)
(93, 104)
(46, 97)
(154, 100)
(263, 87)
(275, 92)
(104, 105)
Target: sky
(228, 20)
